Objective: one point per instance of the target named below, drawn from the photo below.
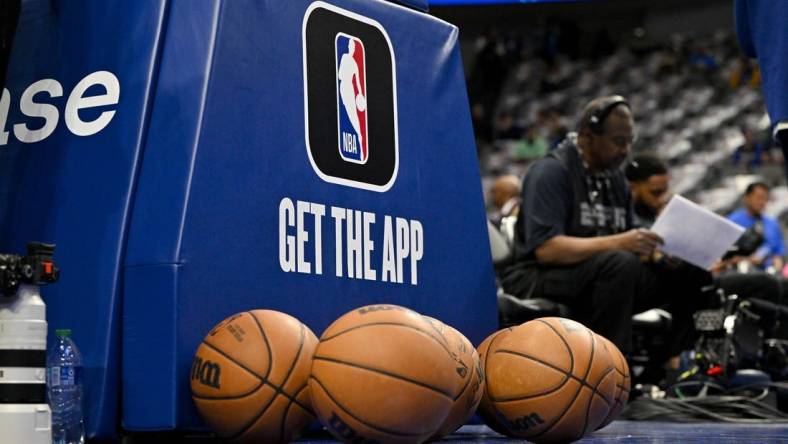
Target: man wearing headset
(575, 242)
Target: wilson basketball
(469, 395)
(381, 373)
(486, 410)
(249, 377)
(623, 380)
(549, 380)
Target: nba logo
(351, 98)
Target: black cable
(740, 405)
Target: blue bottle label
(65, 375)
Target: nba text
(354, 236)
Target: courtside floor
(639, 432)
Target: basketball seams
(265, 381)
(582, 383)
(465, 387)
(546, 364)
(278, 390)
(486, 391)
(536, 395)
(439, 332)
(302, 334)
(487, 357)
(385, 373)
(349, 413)
(595, 392)
(297, 356)
(373, 324)
(595, 387)
(267, 344)
(234, 397)
(287, 411)
(566, 345)
(254, 419)
(591, 356)
(234, 361)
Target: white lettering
(349, 144)
(319, 211)
(416, 249)
(286, 242)
(5, 105)
(403, 246)
(302, 236)
(369, 272)
(339, 216)
(354, 242)
(354, 269)
(77, 101)
(35, 109)
(389, 268)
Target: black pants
(604, 291)
(752, 285)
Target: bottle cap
(63, 332)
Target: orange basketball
(381, 373)
(623, 381)
(549, 380)
(469, 395)
(486, 410)
(249, 377)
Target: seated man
(505, 198)
(648, 180)
(770, 253)
(575, 242)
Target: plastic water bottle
(64, 382)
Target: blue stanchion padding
(73, 121)
(196, 160)
(422, 5)
(253, 144)
(762, 33)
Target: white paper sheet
(693, 233)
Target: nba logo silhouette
(351, 99)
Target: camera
(742, 334)
(25, 416)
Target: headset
(597, 120)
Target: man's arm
(568, 250)
(546, 208)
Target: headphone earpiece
(597, 120)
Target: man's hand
(639, 241)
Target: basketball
(249, 377)
(549, 380)
(381, 373)
(486, 411)
(469, 395)
(361, 103)
(623, 381)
